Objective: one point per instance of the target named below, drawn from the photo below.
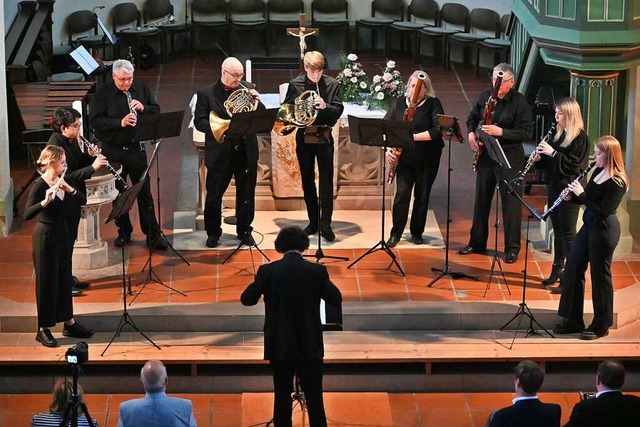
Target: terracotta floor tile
(439, 418)
(488, 401)
(195, 296)
(30, 403)
(440, 401)
(346, 284)
(227, 419)
(195, 284)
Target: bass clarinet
(487, 116)
(533, 157)
(97, 151)
(563, 195)
(408, 116)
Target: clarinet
(129, 100)
(566, 192)
(533, 157)
(97, 151)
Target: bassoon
(487, 117)
(408, 116)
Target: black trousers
(488, 175)
(563, 219)
(217, 181)
(593, 245)
(420, 177)
(134, 163)
(310, 374)
(307, 154)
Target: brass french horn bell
(240, 101)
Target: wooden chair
(331, 15)
(451, 14)
(208, 14)
(393, 10)
(248, 15)
(483, 24)
(420, 14)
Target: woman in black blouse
(417, 167)
(594, 244)
(563, 157)
(50, 196)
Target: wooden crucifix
(302, 32)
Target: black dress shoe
(310, 230)
(567, 327)
(328, 234)
(511, 257)
(212, 241)
(471, 250)
(247, 239)
(417, 240)
(157, 242)
(79, 284)
(45, 337)
(557, 290)
(76, 331)
(592, 333)
(75, 292)
(122, 239)
(393, 241)
(556, 271)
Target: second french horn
(301, 113)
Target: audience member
(156, 409)
(527, 410)
(62, 392)
(610, 407)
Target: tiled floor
(225, 410)
(205, 280)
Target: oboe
(129, 100)
(533, 157)
(566, 192)
(97, 151)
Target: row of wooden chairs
(452, 23)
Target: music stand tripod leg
(319, 254)
(496, 257)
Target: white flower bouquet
(386, 87)
(354, 84)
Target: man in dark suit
(527, 410)
(228, 156)
(292, 289)
(610, 408)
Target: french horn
(300, 114)
(240, 101)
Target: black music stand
(451, 126)
(122, 205)
(156, 127)
(523, 309)
(106, 34)
(494, 150)
(386, 134)
(251, 122)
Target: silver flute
(129, 100)
(533, 157)
(97, 151)
(561, 198)
(55, 187)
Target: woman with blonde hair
(60, 399)
(594, 244)
(50, 197)
(563, 157)
(417, 167)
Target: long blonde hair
(615, 163)
(570, 108)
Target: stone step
(357, 316)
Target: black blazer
(218, 154)
(611, 409)
(292, 289)
(527, 413)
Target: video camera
(585, 395)
(78, 354)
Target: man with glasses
(80, 167)
(511, 125)
(316, 142)
(231, 156)
(114, 118)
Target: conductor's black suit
(292, 289)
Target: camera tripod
(70, 417)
